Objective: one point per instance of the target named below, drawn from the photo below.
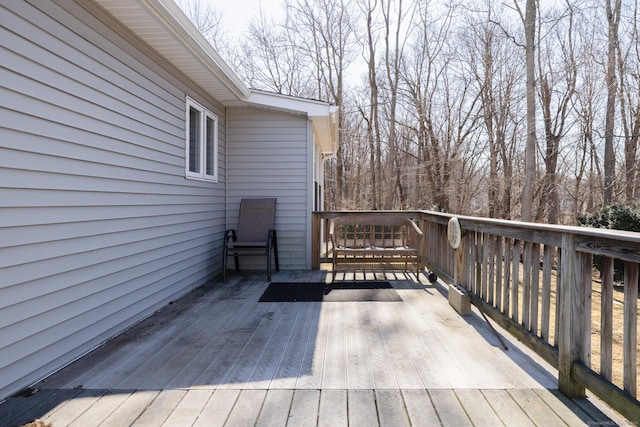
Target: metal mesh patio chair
(255, 234)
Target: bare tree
(439, 118)
(629, 95)
(613, 20)
(326, 34)
(270, 59)
(528, 19)
(558, 74)
(437, 89)
(394, 51)
(209, 21)
(494, 63)
(370, 112)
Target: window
(201, 143)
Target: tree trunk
(613, 19)
(530, 149)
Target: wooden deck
(220, 357)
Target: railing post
(574, 301)
(315, 241)
(458, 268)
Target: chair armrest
(230, 234)
(332, 228)
(416, 229)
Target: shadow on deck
(218, 356)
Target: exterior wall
(270, 155)
(98, 225)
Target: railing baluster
(499, 271)
(491, 259)
(484, 264)
(470, 267)
(506, 293)
(515, 282)
(630, 334)
(526, 286)
(547, 268)
(476, 263)
(556, 325)
(535, 287)
(606, 317)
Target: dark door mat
(329, 292)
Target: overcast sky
(237, 13)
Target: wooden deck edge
(618, 399)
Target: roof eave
(165, 28)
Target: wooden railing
(538, 282)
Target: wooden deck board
(186, 412)
(68, 411)
(131, 409)
(273, 352)
(219, 357)
(217, 409)
(391, 408)
(160, 409)
(568, 411)
(380, 361)
(535, 407)
(401, 340)
(358, 365)
(304, 408)
(298, 353)
(511, 414)
(478, 408)
(333, 409)
(450, 410)
(247, 408)
(276, 408)
(420, 409)
(230, 343)
(334, 366)
(100, 410)
(251, 354)
(362, 408)
(179, 368)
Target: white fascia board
(323, 116)
(310, 107)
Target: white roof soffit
(165, 27)
(323, 116)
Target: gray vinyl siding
(98, 225)
(270, 155)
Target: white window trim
(204, 115)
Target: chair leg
(224, 263)
(236, 260)
(333, 267)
